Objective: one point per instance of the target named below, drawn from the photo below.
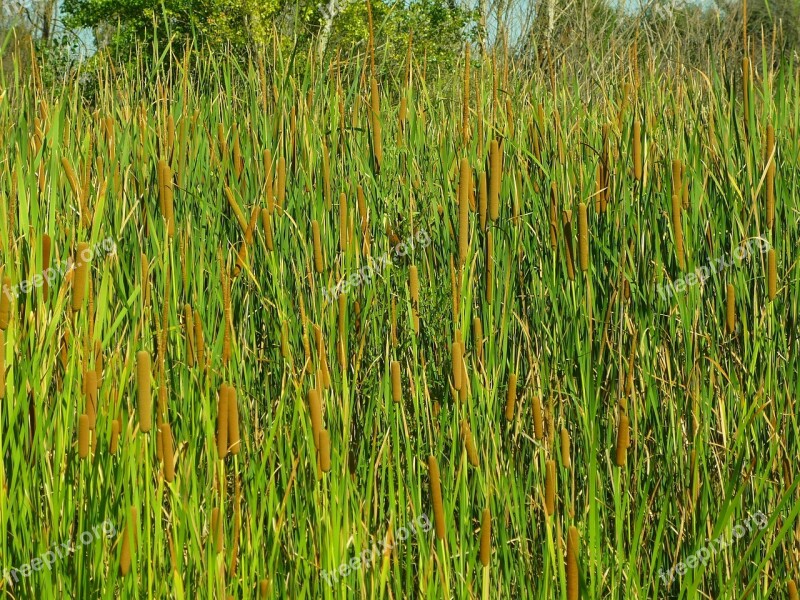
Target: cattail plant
(457, 355)
(623, 440)
(550, 488)
(115, 430)
(495, 175)
(83, 436)
(324, 451)
(791, 588)
(572, 563)
(730, 312)
(565, 459)
(583, 236)
(511, 396)
(233, 421)
(144, 392)
(469, 443)
(81, 275)
(772, 274)
(130, 537)
(397, 392)
(486, 537)
(167, 452)
(436, 497)
(5, 303)
(222, 421)
(315, 408)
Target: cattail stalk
(457, 356)
(128, 545)
(772, 274)
(377, 145)
(315, 408)
(637, 150)
(495, 170)
(572, 564)
(465, 183)
(234, 443)
(770, 181)
(583, 236)
(677, 229)
(46, 248)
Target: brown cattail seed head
(315, 408)
(677, 229)
(144, 394)
(565, 461)
(583, 236)
(572, 564)
(127, 543)
(324, 451)
(436, 497)
(167, 452)
(397, 392)
(791, 588)
(83, 436)
(486, 537)
(730, 312)
(511, 396)
(550, 488)
(5, 303)
(623, 440)
(115, 429)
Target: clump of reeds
(772, 274)
(436, 497)
(550, 488)
(730, 312)
(511, 396)
(397, 391)
(469, 443)
(167, 452)
(222, 421)
(572, 563)
(583, 236)
(623, 440)
(144, 391)
(80, 277)
(486, 537)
